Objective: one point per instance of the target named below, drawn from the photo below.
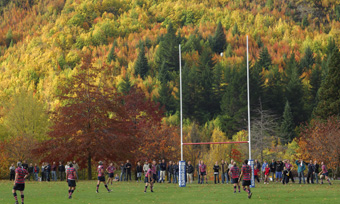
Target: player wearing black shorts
(234, 173)
(71, 176)
(246, 173)
(19, 182)
(148, 179)
(110, 169)
(101, 177)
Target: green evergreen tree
(234, 100)
(112, 55)
(329, 96)
(167, 52)
(229, 51)
(9, 37)
(287, 125)
(141, 65)
(265, 60)
(125, 85)
(235, 30)
(167, 99)
(219, 41)
(305, 22)
(315, 83)
(308, 60)
(295, 95)
(163, 74)
(274, 98)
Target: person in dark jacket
(61, 170)
(216, 172)
(47, 171)
(223, 171)
(170, 171)
(316, 172)
(311, 170)
(279, 169)
(272, 167)
(36, 172)
(139, 170)
(162, 171)
(25, 165)
(122, 172)
(54, 171)
(198, 172)
(175, 170)
(128, 167)
(30, 172)
(190, 172)
(12, 172)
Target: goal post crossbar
(201, 143)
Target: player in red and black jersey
(19, 182)
(246, 173)
(148, 179)
(101, 177)
(234, 173)
(110, 169)
(71, 176)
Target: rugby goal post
(182, 166)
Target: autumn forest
(92, 80)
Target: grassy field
(132, 192)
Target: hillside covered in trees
(133, 45)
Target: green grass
(131, 192)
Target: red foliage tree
(321, 140)
(91, 124)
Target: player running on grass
(234, 173)
(148, 179)
(324, 173)
(71, 176)
(110, 169)
(19, 182)
(246, 173)
(101, 177)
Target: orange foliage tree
(321, 139)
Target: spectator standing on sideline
(203, 171)
(139, 170)
(19, 182)
(198, 172)
(264, 167)
(272, 167)
(175, 170)
(47, 172)
(316, 171)
(256, 174)
(12, 172)
(36, 172)
(61, 169)
(170, 171)
(289, 168)
(301, 168)
(226, 172)
(324, 173)
(25, 165)
(216, 172)
(30, 172)
(158, 168)
(258, 165)
(310, 173)
(122, 172)
(266, 174)
(162, 171)
(279, 169)
(223, 178)
(285, 175)
(128, 167)
(190, 172)
(43, 171)
(54, 171)
(76, 167)
(229, 167)
(234, 174)
(145, 167)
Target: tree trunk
(89, 167)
